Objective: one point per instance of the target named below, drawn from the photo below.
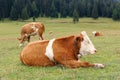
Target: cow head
(94, 32)
(86, 45)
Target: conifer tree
(95, 10)
(13, 14)
(115, 14)
(88, 9)
(13, 9)
(53, 11)
(75, 12)
(24, 14)
(34, 10)
(63, 9)
(75, 16)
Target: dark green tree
(71, 8)
(111, 9)
(75, 16)
(34, 11)
(29, 8)
(47, 5)
(82, 7)
(88, 9)
(1, 13)
(13, 14)
(17, 9)
(118, 10)
(104, 9)
(6, 6)
(24, 14)
(2, 9)
(75, 12)
(40, 7)
(53, 11)
(115, 14)
(50, 8)
(9, 6)
(95, 10)
(63, 8)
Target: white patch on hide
(35, 31)
(49, 50)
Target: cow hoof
(98, 65)
(20, 45)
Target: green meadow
(108, 50)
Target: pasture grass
(108, 50)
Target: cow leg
(22, 40)
(77, 64)
(87, 64)
(28, 38)
(40, 36)
(49, 64)
(71, 64)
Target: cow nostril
(95, 51)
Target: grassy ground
(108, 47)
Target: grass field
(108, 50)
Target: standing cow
(31, 29)
(62, 51)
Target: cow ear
(79, 38)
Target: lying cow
(96, 33)
(63, 51)
(31, 29)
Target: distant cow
(31, 29)
(96, 33)
(62, 51)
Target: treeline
(24, 9)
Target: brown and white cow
(96, 33)
(31, 29)
(62, 51)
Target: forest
(25, 9)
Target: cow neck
(77, 48)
